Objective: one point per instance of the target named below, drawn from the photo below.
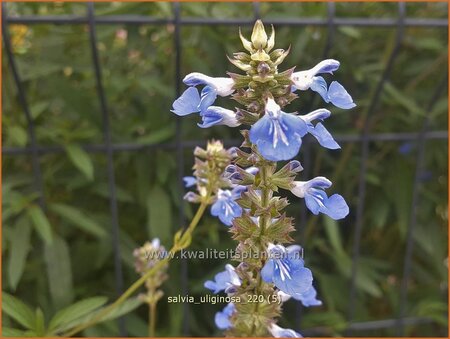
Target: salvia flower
(336, 93)
(192, 102)
(317, 200)
(224, 281)
(278, 135)
(286, 270)
(222, 319)
(279, 332)
(225, 207)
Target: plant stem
(265, 198)
(107, 310)
(152, 319)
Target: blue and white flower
(286, 270)
(319, 131)
(225, 207)
(336, 93)
(222, 319)
(226, 281)
(317, 200)
(278, 135)
(279, 332)
(192, 102)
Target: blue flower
(285, 268)
(317, 200)
(319, 131)
(189, 181)
(279, 332)
(192, 102)
(336, 93)
(224, 281)
(222, 319)
(278, 135)
(225, 207)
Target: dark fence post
(110, 161)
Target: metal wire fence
(107, 147)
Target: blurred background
(91, 172)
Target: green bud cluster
(262, 79)
(146, 257)
(209, 167)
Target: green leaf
(159, 212)
(18, 310)
(40, 323)
(59, 272)
(8, 332)
(157, 136)
(332, 231)
(18, 135)
(78, 218)
(75, 311)
(81, 160)
(19, 247)
(126, 307)
(41, 223)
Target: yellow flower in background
(20, 38)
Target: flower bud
(259, 36)
(263, 68)
(295, 166)
(230, 169)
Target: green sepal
(246, 117)
(243, 228)
(278, 232)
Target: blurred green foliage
(65, 255)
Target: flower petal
(210, 118)
(324, 137)
(319, 85)
(222, 319)
(187, 103)
(267, 271)
(339, 96)
(336, 207)
(279, 332)
(278, 138)
(189, 181)
(223, 86)
(325, 66)
(207, 98)
(309, 298)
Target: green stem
(152, 319)
(265, 198)
(107, 310)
